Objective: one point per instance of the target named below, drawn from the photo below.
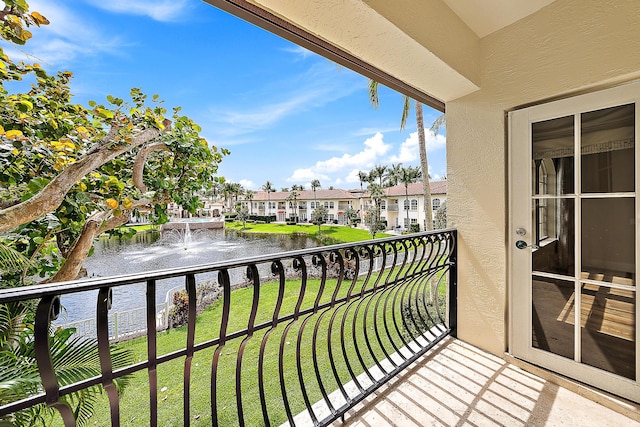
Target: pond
(150, 251)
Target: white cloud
(299, 51)
(68, 36)
(374, 149)
(159, 10)
(248, 184)
(409, 149)
(296, 94)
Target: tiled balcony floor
(460, 385)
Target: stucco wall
(566, 47)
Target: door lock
(521, 244)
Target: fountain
(177, 247)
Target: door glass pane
(553, 156)
(607, 150)
(608, 240)
(553, 315)
(554, 229)
(608, 329)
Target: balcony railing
(310, 332)
(393, 207)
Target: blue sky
(286, 114)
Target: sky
(286, 114)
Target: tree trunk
(424, 165)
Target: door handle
(521, 244)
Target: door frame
(519, 214)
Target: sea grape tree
(69, 172)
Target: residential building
(282, 206)
(394, 205)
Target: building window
(406, 223)
(331, 205)
(414, 221)
(414, 205)
(436, 204)
(406, 205)
(383, 204)
(331, 217)
(326, 205)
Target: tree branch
(52, 195)
(95, 225)
(141, 158)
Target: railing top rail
(60, 288)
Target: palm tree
(249, 195)
(268, 187)
(292, 198)
(363, 177)
(378, 172)
(393, 176)
(297, 187)
(424, 162)
(314, 185)
(407, 176)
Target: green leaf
(107, 114)
(37, 184)
(92, 103)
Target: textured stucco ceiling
(486, 16)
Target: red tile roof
(437, 187)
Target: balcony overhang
(430, 66)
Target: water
(148, 251)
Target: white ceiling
(486, 16)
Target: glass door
(573, 243)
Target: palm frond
(406, 109)
(438, 123)
(373, 93)
(11, 259)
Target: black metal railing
(304, 337)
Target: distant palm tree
(284, 189)
(407, 176)
(296, 187)
(378, 172)
(315, 184)
(424, 162)
(363, 177)
(268, 187)
(393, 176)
(249, 195)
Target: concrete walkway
(459, 385)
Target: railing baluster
(152, 351)
(276, 269)
(106, 368)
(283, 341)
(224, 280)
(252, 275)
(302, 267)
(320, 259)
(191, 332)
(48, 310)
(453, 284)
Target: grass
(134, 403)
(328, 233)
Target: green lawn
(134, 402)
(328, 233)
